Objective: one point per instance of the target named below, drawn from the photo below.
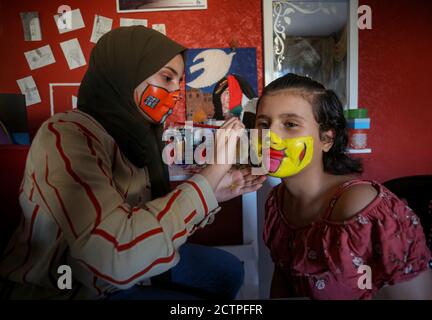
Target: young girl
(330, 234)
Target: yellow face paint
(288, 156)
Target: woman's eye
(167, 78)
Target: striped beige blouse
(86, 206)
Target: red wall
(395, 64)
(395, 69)
(224, 22)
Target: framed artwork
(318, 39)
(213, 75)
(206, 71)
(126, 6)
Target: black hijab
(120, 61)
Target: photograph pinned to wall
(126, 22)
(210, 69)
(160, 27)
(28, 88)
(101, 26)
(63, 97)
(69, 21)
(31, 26)
(73, 53)
(40, 57)
(160, 5)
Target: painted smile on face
(289, 156)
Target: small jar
(357, 139)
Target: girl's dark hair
(328, 112)
(220, 87)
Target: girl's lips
(276, 157)
(277, 154)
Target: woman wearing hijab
(96, 197)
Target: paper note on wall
(126, 22)
(40, 57)
(69, 21)
(101, 26)
(160, 27)
(29, 89)
(73, 53)
(31, 26)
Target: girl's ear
(327, 138)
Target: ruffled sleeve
(386, 236)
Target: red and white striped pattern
(87, 206)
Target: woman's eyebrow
(262, 116)
(172, 70)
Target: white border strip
(357, 151)
(268, 41)
(352, 80)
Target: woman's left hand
(238, 182)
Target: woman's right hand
(225, 144)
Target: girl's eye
(262, 125)
(290, 124)
(167, 78)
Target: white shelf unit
(247, 252)
(357, 151)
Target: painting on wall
(219, 83)
(159, 5)
(209, 72)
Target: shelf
(356, 151)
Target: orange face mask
(158, 103)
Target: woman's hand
(224, 145)
(237, 182)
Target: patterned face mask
(158, 103)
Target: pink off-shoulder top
(326, 259)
